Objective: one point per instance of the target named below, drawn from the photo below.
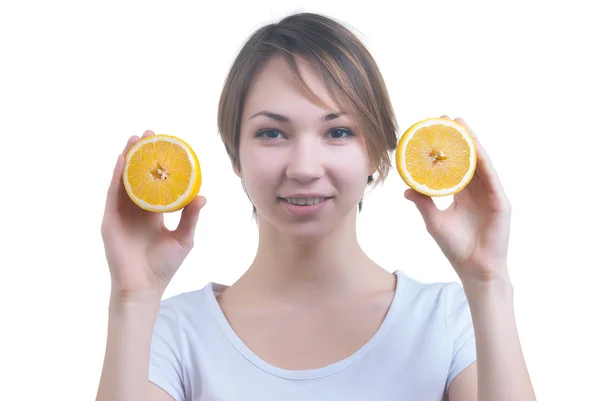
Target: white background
(78, 78)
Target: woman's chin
(301, 232)
(307, 232)
(306, 238)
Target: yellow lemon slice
(436, 157)
(161, 173)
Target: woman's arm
(500, 373)
(125, 370)
(473, 234)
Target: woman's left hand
(473, 232)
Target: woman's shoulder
(444, 296)
(188, 307)
(423, 287)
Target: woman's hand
(473, 232)
(142, 254)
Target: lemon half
(162, 173)
(436, 157)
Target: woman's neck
(304, 272)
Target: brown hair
(348, 69)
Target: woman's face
(305, 168)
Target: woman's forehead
(275, 87)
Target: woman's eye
(338, 133)
(269, 134)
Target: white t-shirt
(425, 340)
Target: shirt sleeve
(460, 326)
(166, 367)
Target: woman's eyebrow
(287, 120)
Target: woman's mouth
(304, 201)
(305, 206)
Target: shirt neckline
(211, 291)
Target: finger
(147, 134)
(132, 141)
(115, 184)
(485, 168)
(187, 224)
(429, 211)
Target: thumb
(428, 209)
(184, 233)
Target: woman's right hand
(142, 254)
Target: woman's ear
(373, 169)
(236, 169)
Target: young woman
(307, 123)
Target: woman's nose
(305, 161)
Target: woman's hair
(348, 70)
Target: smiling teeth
(304, 201)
